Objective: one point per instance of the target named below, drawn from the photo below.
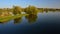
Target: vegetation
(7, 18)
(31, 10)
(16, 11)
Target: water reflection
(45, 23)
(17, 20)
(1, 22)
(31, 18)
(46, 11)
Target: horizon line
(29, 5)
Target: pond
(43, 22)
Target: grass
(7, 18)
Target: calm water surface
(41, 23)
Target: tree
(17, 10)
(31, 10)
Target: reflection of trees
(41, 11)
(1, 22)
(17, 20)
(31, 18)
(46, 11)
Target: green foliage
(17, 10)
(31, 10)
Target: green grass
(7, 18)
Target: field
(7, 18)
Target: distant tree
(31, 10)
(17, 10)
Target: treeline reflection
(31, 19)
(17, 20)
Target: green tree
(17, 10)
(31, 10)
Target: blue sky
(25, 3)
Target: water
(46, 22)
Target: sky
(25, 3)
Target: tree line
(28, 10)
